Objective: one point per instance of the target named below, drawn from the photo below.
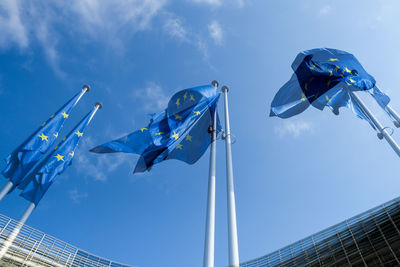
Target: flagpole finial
(215, 83)
(225, 89)
(99, 105)
(87, 87)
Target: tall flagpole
(395, 116)
(382, 131)
(31, 207)
(208, 260)
(232, 229)
(9, 185)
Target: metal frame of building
(33, 248)
(371, 238)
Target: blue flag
(38, 182)
(25, 157)
(323, 77)
(179, 132)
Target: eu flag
(38, 182)
(322, 77)
(179, 132)
(24, 157)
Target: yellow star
(192, 98)
(179, 146)
(143, 129)
(333, 59)
(351, 80)
(159, 133)
(330, 73)
(197, 112)
(346, 70)
(78, 133)
(59, 157)
(178, 103)
(72, 154)
(188, 138)
(56, 135)
(336, 68)
(327, 98)
(303, 97)
(312, 67)
(44, 137)
(185, 95)
(175, 135)
(178, 117)
(65, 115)
(348, 83)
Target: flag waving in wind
(179, 132)
(24, 157)
(322, 77)
(38, 182)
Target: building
(26, 246)
(369, 239)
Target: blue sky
(293, 177)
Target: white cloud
(209, 2)
(12, 31)
(294, 129)
(76, 197)
(215, 31)
(47, 22)
(98, 166)
(152, 97)
(174, 28)
(325, 10)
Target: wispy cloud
(23, 23)
(208, 2)
(325, 10)
(215, 31)
(152, 97)
(294, 129)
(97, 166)
(76, 197)
(12, 30)
(174, 28)
(217, 3)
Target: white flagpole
(382, 131)
(208, 260)
(9, 185)
(30, 209)
(395, 116)
(232, 228)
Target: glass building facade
(21, 245)
(369, 239)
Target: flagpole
(395, 116)
(382, 131)
(32, 205)
(232, 228)
(9, 185)
(208, 260)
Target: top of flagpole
(99, 104)
(225, 89)
(86, 87)
(215, 83)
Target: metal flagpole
(30, 208)
(395, 116)
(9, 185)
(208, 260)
(232, 229)
(6, 189)
(383, 131)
